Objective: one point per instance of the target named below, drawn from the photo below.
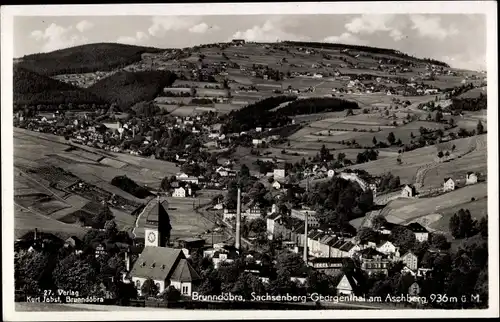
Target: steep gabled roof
(416, 227)
(184, 272)
(157, 263)
(347, 247)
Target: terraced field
(403, 211)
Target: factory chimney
(238, 221)
(305, 237)
(127, 259)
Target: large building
(165, 266)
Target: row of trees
(462, 225)
(52, 268)
(128, 185)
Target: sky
(457, 39)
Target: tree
(378, 222)
(440, 154)
(462, 225)
(111, 228)
(149, 288)
(165, 184)
(374, 141)
(171, 294)
(439, 241)
(403, 238)
(366, 234)
(349, 112)
(439, 116)
(289, 263)
(74, 273)
(32, 271)
(483, 227)
(391, 138)
(244, 171)
(453, 148)
(479, 127)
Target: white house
(179, 192)
(421, 234)
(182, 192)
(277, 185)
(165, 266)
(257, 142)
(386, 247)
(330, 173)
(270, 224)
(470, 178)
(279, 173)
(346, 285)
(408, 191)
(448, 184)
(410, 260)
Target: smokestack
(238, 221)
(305, 237)
(36, 231)
(127, 260)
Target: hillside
(367, 49)
(127, 88)
(33, 89)
(85, 59)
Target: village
(318, 198)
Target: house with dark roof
(470, 178)
(448, 185)
(74, 243)
(409, 191)
(421, 233)
(165, 266)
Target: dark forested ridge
(260, 113)
(123, 88)
(368, 49)
(31, 88)
(85, 59)
(128, 88)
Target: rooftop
(156, 262)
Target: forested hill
(33, 89)
(85, 59)
(127, 88)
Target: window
(185, 290)
(158, 287)
(138, 283)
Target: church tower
(158, 232)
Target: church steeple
(157, 216)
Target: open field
(26, 221)
(476, 161)
(477, 208)
(404, 211)
(184, 220)
(413, 160)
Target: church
(164, 265)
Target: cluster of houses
(83, 80)
(327, 249)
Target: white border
(7, 12)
